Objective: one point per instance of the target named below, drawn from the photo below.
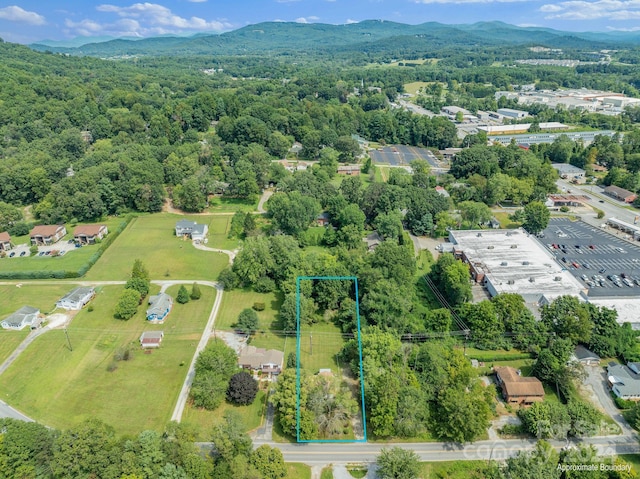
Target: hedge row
(491, 356)
(62, 274)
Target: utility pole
(66, 333)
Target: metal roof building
(511, 261)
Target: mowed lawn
(152, 239)
(61, 387)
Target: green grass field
(412, 88)
(296, 470)
(454, 469)
(505, 222)
(152, 239)
(62, 387)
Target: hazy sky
(32, 20)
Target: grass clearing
(319, 347)
(62, 387)
(42, 296)
(327, 473)
(413, 87)
(296, 470)
(633, 459)
(203, 421)
(151, 238)
(454, 469)
(222, 204)
(505, 222)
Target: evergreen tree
(183, 295)
(195, 292)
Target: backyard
(60, 382)
(152, 239)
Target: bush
(19, 229)
(228, 279)
(264, 285)
(247, 321)
(564, 209)
(128, 304)
(258, 306)
(622, 403)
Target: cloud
(142, 20)
(309, 19)
(617, 29)
(14, 13)
(350, 21)
(600, 9)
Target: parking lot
(402, 155)
(608, 265)
(23, 250)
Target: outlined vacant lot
(328, 394)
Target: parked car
(564, 259)
(586, 265)
(47, 253)
(575, 265)
(41, 253)
(23, 253)
(602, 270)
(584, 277)
(62, 253)
(12, 254)
(592, 246)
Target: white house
(191, 229)
(25, 316)
(77, 298)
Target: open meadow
(152, 239)
(61, 383)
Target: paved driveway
(596, 383)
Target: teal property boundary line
(364, 414)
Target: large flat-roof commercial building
(586, 137)
(511, 261)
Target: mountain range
(277, 38)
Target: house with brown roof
(620, 194)
(5, 241)
(267, 361)
(47, 234)
(349, 170)
(517, 389)
(151, 339)
(88, 234)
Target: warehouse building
(512, 261)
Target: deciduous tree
(242, 388)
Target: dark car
(12, 254)
(41, 253)
(592, 246)
(602, 270)
(577, 246)
(586, 265)
(23, 253)
(624, 275)
(564, 260)
(600, 201)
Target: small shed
(151, 339)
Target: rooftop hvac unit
(504, 263)
(509, 233)
(514, 246)
(525, 263)
(557, 278)
(532, 279)
(511, 282)
(490, 247)
(479, 234)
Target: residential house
(624, 382)
(349, 170)
(25, 316)
(620, 194)
(586, 357)
(47, 234)
(323, 219)
(88, 234)
(442, 191)
(5, 241)
(151, 339)
(159, 307)
(77, 298)
(517, 389)
(372, 240)
(267, 361)
(191, 230)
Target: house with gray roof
(76, 298)
(585, 356)
(159, 307)
(25, 316)
(624, 383)
(191, 230)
